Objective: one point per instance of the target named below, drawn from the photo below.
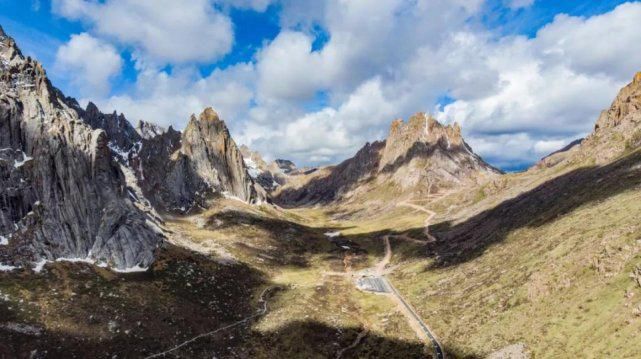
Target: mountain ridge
(413, 150)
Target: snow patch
(252, 167)
(25, 159)
(117, 150)
(6, 268)
(4, 241)
(87, 260)
(38, 266)
(333, 234)
(135, 269)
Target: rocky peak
(417, 154)
(214, 156)
(209, 115)
(148, 130)
(122, 136)
(63, 194)
(624, 108)
(420, 128)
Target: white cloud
(169, 99)
(603, 44)
(159, 31)
(327, 134)
(288, 69)
(551, 88)
(91, 63)
(516, 97)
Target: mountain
(269, 175)
(418, 154)
(546, 260)
(616, 132)
(62, 194)
(558, 156)
(178, 172)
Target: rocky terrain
(61, 193)
(418, 154)
(544, 263)
(177, 171)
(273, 175)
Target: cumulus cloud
(288, 69)
(90, 63)
(551, 88)
(600, 44)
(169, 99)
(327, 134)
(159, 31)
(517, 97)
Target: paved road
(437, 346)
(377, 282)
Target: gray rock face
(61, 193)
(215, 158)
(148, 130)
(179, 172)
(122, 136)
(269, 176)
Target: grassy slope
(543, 258)
(554, 274)
(243, 249)
(561, 284)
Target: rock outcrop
(178, 172)
(271, 175)
(418, 153)
(61, 193)
(618, 128)
(215, 158)
(616, 132)
(423, 149)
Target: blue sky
(313, 81)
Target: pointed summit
(420, 128)
(209, 115)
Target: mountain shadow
(74, 310)
(555, 198)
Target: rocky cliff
(618, 128)
(61, 193)
(419, 153)
(616, 132)
(178, 172)
(271, 175)
(216, 159)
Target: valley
(145, 242)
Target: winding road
(415, 320)
(375, 280)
